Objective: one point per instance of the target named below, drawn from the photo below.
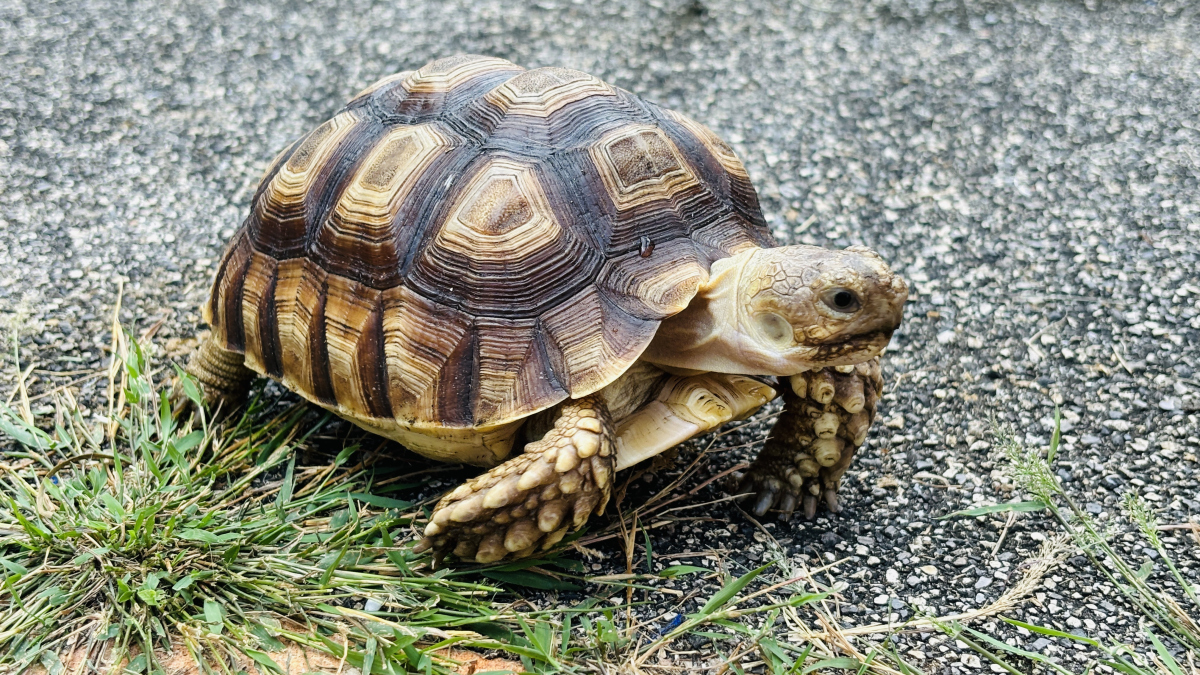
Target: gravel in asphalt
(1031, 168)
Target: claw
(786, 506)
(826, 416)
(831, 501)
(740, 483)
(810, 507)
(765, 499)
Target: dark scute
(394, 104)
(456, 388)
(641, 158)
(233, 279)
(336, 174)
(498, 209)
(383, 169)
(318, 352)
(373, 365)
(511, 288)
(734, 190)
(284, 232)
(268, 329)
(274, 169)
(383, 264)
(578, 124)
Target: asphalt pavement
(1030, 168)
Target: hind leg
(531, 501)
(826, 415)
(222, 375)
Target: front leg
(531, 501)
(686, 407)
(825, 418)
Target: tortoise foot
(825, 418)
(220, 374)
(786, 495)
(530, 502)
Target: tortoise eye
(841, 300)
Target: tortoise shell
(471, 242)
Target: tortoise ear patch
(542, 91)
(639, 164)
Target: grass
(141, 534)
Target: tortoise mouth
(853, 350)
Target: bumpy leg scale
(222, 375)
(826, 415)
(531, 501)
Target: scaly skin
(222, 375)
(531, 501)
(826, 415)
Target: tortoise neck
(706, 335)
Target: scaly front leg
(826, 415)
(531, 501)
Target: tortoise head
(785, 310)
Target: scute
(287, 204)
(370, 222)
(470, 242)
(597, 340)
(543, 91)
(501, 249)
(639, 164)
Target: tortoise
(472, 258)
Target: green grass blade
(265, 661)
(285, 489)
(842, 662)
(1007, 507)
(1016, 651)
(1056, 437)
(724, 595)
(1042, 630)
(1168, 660)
